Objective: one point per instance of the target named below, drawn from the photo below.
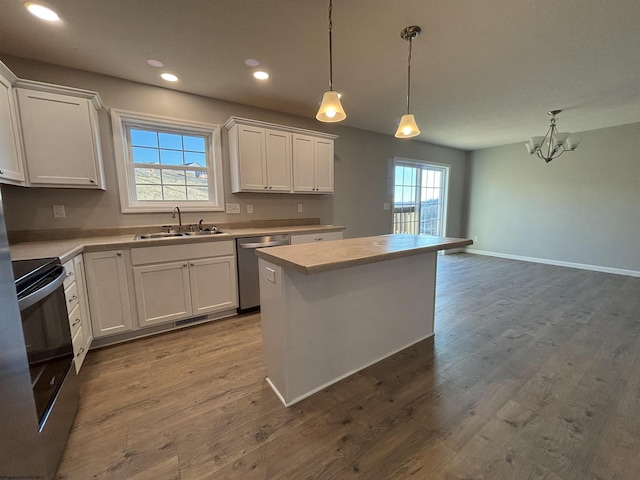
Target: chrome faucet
(173, 215)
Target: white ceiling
(484, 72)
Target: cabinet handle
(1, 171)
(80, 352)
(319, 239)
(193, 264)
(69, 274)
(270, 188)
(119, 254)
(91, 180)
(75, 297)
(265, 187)
(76, 322)
(184, 265)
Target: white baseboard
(582, 266)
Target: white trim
(60, 90)
(445, 193)
(232, 121)
(559, 263)
(125, 187)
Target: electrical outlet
(233, 208)
(58, 211)
(386, 206)
(299, 207)
(249, 208)
(271, 274)
(475, 239)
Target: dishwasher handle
(276, 243)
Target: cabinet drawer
(71, 294)
(315, 237)
(70, 273)
(79, 348)
(184, 251)
(75, 320)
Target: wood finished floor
(533, 373)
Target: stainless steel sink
(150, 236)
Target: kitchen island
(333, 308)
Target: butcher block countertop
(311, 258)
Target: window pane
(174, 192)
(143, 138)
(191, 158)
(147, 176)
(170, 140)
(195, 144)
(198, 193)
(171, 157)
(148, 192)
(197, 178)
(145, 155)
(173, 177)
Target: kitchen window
(163, 162)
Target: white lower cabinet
(182, 281)
(75, 291)
(315, 237)
(108, 289)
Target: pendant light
(331, 110)
(408, 127)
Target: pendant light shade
(331, 110)
(408, 127)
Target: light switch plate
(271, 274)
(299, 207)
(386, 206)
(249, 208)
(233, 208)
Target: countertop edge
(67, 249)
(365, 260)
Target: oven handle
(45, 291)
(277, 243)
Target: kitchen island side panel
(338, 322)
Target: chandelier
(553, 144)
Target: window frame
(122, 120)
(444, 168)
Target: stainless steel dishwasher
(248, 284)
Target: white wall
(582, 208)
(362, 160)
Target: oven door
(47, 336)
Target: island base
(319, 329)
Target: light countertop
(68, 248)
(310, 258)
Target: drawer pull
(69, 274)
(80, 352)
(76, 322)
(75, 297)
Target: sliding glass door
(419, 203)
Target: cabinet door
(11, 169)
(323, 150)
(83, 303)
(251, 158)
(303, 164)
(278, 160)
(213, 284)
(162, 292)
(61, 145)
(108, 290)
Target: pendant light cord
(409, 73)
(330, 47)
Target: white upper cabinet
(312, 164)
(60, 135)
(263, 158)
(11, 166)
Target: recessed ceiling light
(155, 63)
(250, 62)
(260, 75)
(169, 77)
(42, 12)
